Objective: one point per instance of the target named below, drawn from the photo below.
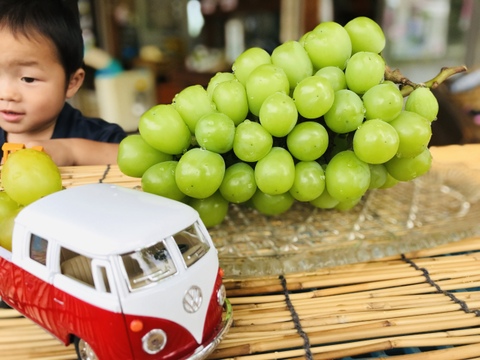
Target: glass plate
(439, 207)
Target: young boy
(41, 66)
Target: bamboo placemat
(21, 339)
(420, 305)
(426, 302)
(109, 174)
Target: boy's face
(33, 87)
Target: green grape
(293, 59)
(6, 228)
(212, 210)
(328, 44)
(135, 156)
(302, 39)
(324, 201)
(29, 175)
(366, 35)
(309, 181)
(238, 184)
(375, 141)
(389, 182)
(334, 75)
(8, 211)
(383, 101)
(252, 141)
(271, 205)
(346, 113)
(347, 204)
(230, 98)
(215, 132)
(313, 97)
(159, 179)
(406, 169)
(192, 103)
(199, 173)
(364, 70)
(216, 79)
(275, 172)
(307, 141)
(163, 128)
(248, 61)
(7, 205)
(321, 97)
(378, 175)
(265, 80)
(423, 102)
(347, 177)
(278, 114)
(414, 133)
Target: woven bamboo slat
(422, 304)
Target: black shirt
(72, 124)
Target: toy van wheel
(84, 350)
(4, 305)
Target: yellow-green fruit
(7, 205)
(135, 156)
(423, 102)
(212, 210)
(29, 175)
(6, 229)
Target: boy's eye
(28, 80)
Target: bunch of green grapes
(26, 176)
(315, 121)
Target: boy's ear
(76, 80)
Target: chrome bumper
(203, 351)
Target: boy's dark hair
(56, 20)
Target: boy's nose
(8, 92)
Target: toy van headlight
(221, 295)
(154, 341)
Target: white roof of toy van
(103, 219)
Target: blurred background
(142, 52)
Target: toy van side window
(79, 267)
(148, 266)
(192, 244)
(38, 249)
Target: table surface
(468, 154)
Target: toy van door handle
(58, 301)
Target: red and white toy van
(120, 273)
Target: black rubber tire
(84, 351)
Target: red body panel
(214, 313)
(64, 315)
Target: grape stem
(407, 86)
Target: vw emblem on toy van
(193, 299)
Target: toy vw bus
(120, 273)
